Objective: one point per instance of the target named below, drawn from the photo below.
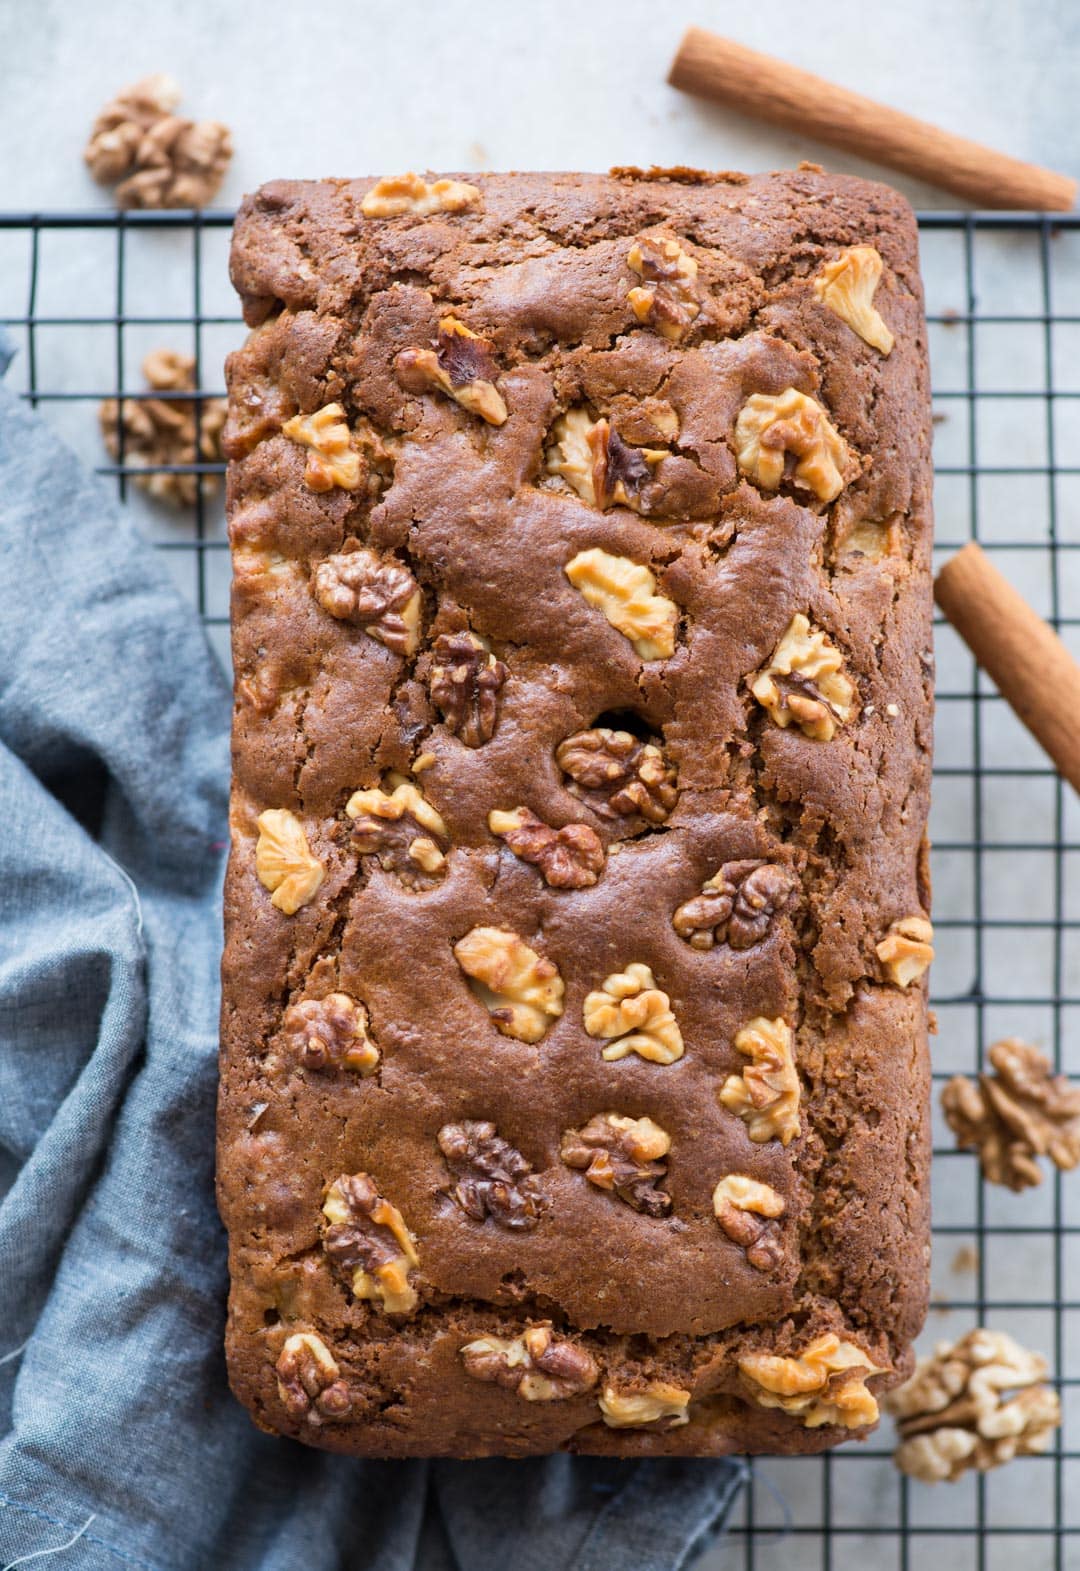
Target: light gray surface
(492, 84)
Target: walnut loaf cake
(574, 1068)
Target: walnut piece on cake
(521, 990)
(669, 296)
(377, 593)
(491, 1177)
(658, 1403)
(766, 1095)
(330, 1033)
(402, 830)
(465, 683)
(618, 776)
(605, 471)
(462, 365)
(367, 1240)
(624, 1156)
(633, 1015)
(569, 858)
(907, 950)
(748, 1212)
(823, 1384)
(847, 285)
(737, 905)
(625, 592)
(1015, 1115)
(396, 195)
(284, 862)
(788, 436)
(538, 1365)
(804, 683)
(308, 1380)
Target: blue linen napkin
(120, 1444)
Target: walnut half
(569, 858)
(632, 1015)
(658, 1402)
(766, 1095)
(788, 436)
(748, 1213)
(623, 1156)
(668, 297)
(333, 459)
(625, 592)
(605, 471)
(160, 158)
(846, 285)
(367, 1239)
(331, 1033)
(308, 1380)
(402, 830)
(492, 1177)
(824, 1384)
(462, 365)
(378, 594)
(395, 195)
(1017, 1114)
(538, 1365)
(737, 905)
(521, 990)
(907, 950)
(618, 776)
(284, 862)
(465, 682)
(804, 683)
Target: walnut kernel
(308, 1380)
(394, 195)
(538, 1365)
(379, 594)
(766, 1095)
(462, 365)
(633, 1016)
(465, 683)
(333, 460)
(771, 427)
(159, 158)
(846, 285)
(668, 298)
(569, 858)
(748, 1212)
(659, 1403)
(736, 905)
(907, 950)
(283, 861)
(1017, 1114)
(367, 1239)
(804, 683)
(625, 592)
(401, 828)
(165, 433)
(806, 1384)
(331, 1033)
(521, 990)
(618, 776)
(593, 459)
(492, 1177)
(623, 1156)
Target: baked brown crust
(451, 480)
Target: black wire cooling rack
(86, 295)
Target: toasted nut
(623, 1156)
(668, 298)
(521, 990)
(907, 950)
(308, 1380)
(766, 1095)
(657, 1403)
(807, 1385)
(402, 829)
(396, 194)
(465, 683)
(625, 592)
(954, 1414)
(737, 905)
(333, 460)
(846, 285)
(367, 1239)
(569, 858)
(160, 159)
(618, 776)
(492, 1177)
(771, 427)
(379, 594)
(804, 683)
(331, 1033)
(748, 1211)
(538, 1365)
(1017, 1114)
(593, 459)
(164, 433)
(634, 1016)
(283, 861)
(462, 365)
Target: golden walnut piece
(462, 365)
(623, 1156)
(569, 858)
(283, 861)
(788, 436)
(395, 195)
(593, 459)
(907, 950)
(1017, 1114)
(154, 433)
(159, 158)
(668, 297)
(632, 1015)
(824, 1384)
(377, 593)
(748, 1213)
(402, 829)
(846, 285)
(330, 1033)
(538, 1365)
(308, 1380)
(332, 460)
(954, 1413)
(368, 1241)
(766, 1095)
(657, 1403)
(737, 905)
(804, 683)
(521, 990)
(625, 592)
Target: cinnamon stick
(783, 95)
(1019, 651)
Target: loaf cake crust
(574, 1076)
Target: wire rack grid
(87, 295)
